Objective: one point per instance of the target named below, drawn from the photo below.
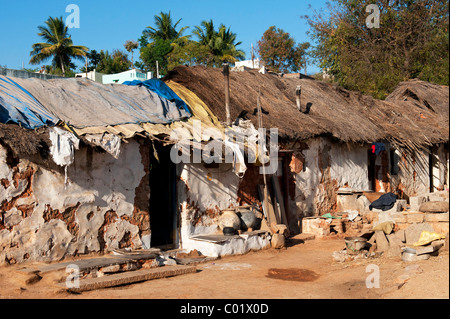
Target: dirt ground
(303, 270)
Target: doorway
(163, 197)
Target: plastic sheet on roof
(18, 106)
(83, 103)
(161, 88)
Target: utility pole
(226, 73)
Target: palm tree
(222, 43)
(225, 45)
(130, 46)
(58, 45)
(206, 33)
(165, 29)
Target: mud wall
(413, 174)
(321, 167)
(104, 205)
(202, 193)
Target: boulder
(434, 207)
(278, 241)
(412, 232)
(381, 240)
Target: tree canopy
(279, 52)
(410, 42)
(58, 45)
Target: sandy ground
(304, 270)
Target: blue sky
(106, 25)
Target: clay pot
(248, 219)
(229, 219)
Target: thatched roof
(333, 111)
(25, 142)
(428, 104)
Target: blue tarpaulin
(161, 88)
(18, 106)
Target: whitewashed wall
(44, 219)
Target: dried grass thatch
(333, 111)
(24, 142)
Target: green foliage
(156, 43)
(189, 53)
(165, 29)
(58, 45)
(155, 51)
(113, 63)
(94, 59)
(221, 43)
(411, 42)
(167, 45)
(278, 50)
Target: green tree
(278, 50)
(156, 51)
(113, 63)
(164, 29)
(410, 42)
(156, 43)
(94, 59)
(58, 46)
(221, 43)
(189, 53)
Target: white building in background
(118, 78)
(129, 75)
(92, 75)
(251, 64)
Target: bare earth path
(305, 270)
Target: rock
(412, 232)
(396, 238)
(413, 269)
(280, 229)
(432, 217)
(395, 244)
(278, 241)
(434, 207)
(340, 256)
(416, 201)
(110, 269)
(394, 251)
(381, 240)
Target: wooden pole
(226, 73)
(157, 69)
(298, 93)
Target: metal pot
(355, 244)
(248, 219)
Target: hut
(88, 168)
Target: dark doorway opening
(162, 197)
(371, 169)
